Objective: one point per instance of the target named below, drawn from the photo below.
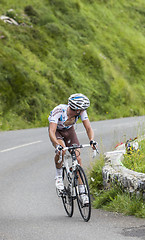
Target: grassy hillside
(60, 47)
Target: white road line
(27, 144)
(20, 146)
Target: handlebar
(82, 146)
(79, 146)
(73, 147)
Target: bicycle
(73, 177)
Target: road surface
(29, 207)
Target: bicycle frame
(73, 154)
(74, 179)
(71, 174)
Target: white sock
(82, 188)
(58, 172)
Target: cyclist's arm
(52, 130)
(89, 129)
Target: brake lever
(95, 152)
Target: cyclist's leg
(61, 142)
(70, 139)
(56, 158)
(79, 157)
(58, 177)
(74, 140)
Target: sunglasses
(77, 111)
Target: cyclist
(62, 133)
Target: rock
(114, 171)
(8, 20)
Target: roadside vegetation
(135, 160)
(114, 198)
(61, 47)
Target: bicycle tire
(67, 199)
(86, 209)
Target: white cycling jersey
(59, 115)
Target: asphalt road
(29, 207)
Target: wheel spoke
(85, 209)
(66, 196)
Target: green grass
(136, 159)
(118, 201)
(63, 47)
(113, 198)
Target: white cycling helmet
(78, 101)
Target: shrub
(30, 11)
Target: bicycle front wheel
(84, 207)
(66, 196)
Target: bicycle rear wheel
(85, 209)
(66, 196)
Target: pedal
(85, 205)
(59, 192)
